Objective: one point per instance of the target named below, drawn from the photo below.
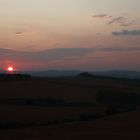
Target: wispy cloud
(119, 49)
(59, 53)
(57, 58)
(51, 54)
(127, 23)
(19, 33)
(120, 20)
(125, 32)
(117, 20)
(100, 16)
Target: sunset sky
(70, 34)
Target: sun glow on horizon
(10, 69)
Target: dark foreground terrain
(80, 107)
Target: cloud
(58, 53)
(117, 20)
(127, 33)
(127, 23)
(28, 29)
(100, 16)
(48, 55)
(122, 21)
(60, 57)
(119, 49)
(19, 33)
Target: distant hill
(68, 73)
(119, 74)
(54, 73)
(85, 74)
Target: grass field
(118, 126)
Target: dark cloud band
(127, 33)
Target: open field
(77, 115)
(118, 127)
(73, 88)
(40, 115)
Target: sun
(10, 69)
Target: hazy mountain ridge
(120, 74)
(61, 73)
(54, 73)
